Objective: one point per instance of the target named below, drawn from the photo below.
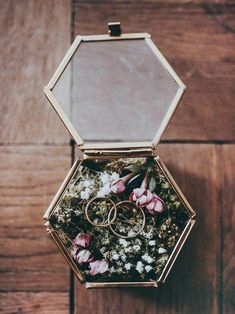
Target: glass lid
(115, 90)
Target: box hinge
(128, 152)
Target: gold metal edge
(187, 228)
(176, 251)
(49, 227)
(85, 38)
(69, 259)
(121, 37)
(62, 188)
(114, 154)
(165, 63)
(68, 124)
(64, 252)
(91, 285)
(166, 120)
(115, 146)
(63, 64)
(74, 133)
(68, 56)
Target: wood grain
(198, 40)
(197, 37)
(38, 303)
(34, 36)
(30, 176)
(228, 219)
(195, 274)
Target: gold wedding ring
(113, 208)
(134, 207)
(112, 215)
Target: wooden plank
(30, 176)
(34, 36)
(198, 40)
(29, 302)
(193, 285)
(228, 219)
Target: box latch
(114, 28)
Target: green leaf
(152, 184)
(133, 168)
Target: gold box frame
(173, 255)
(116, 150)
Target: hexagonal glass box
(119, 218)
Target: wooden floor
(198, 38)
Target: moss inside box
(119, 219)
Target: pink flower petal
(83, 240)
(150, 205)
(158, 207)
(132, 197)
(149, 196)
(99, 267)
(142, 200)
(138, 192)
(84, 256)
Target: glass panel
(119, 91)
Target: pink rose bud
(141, 197)
(83, 256)
(83, 240)
(99, 267)
(119, 185)
(144, 198)
(156, 205)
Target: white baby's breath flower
(122, 229)
(128, 249)
(100, 194)
(103, 249)
(105, 190)
(143, 233)
(136, 248)
(115, 256)
(84, 195)
(131, 233)
(161, 250)
(128, 266)
(87, 183)
(119, 270)
(152, 242)
(147, 258)
(104, 177)
(114, 176)
(119, 263)
(149, 235)
(123, 257)
(148, 268)
(123, 242)
(139, 267)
